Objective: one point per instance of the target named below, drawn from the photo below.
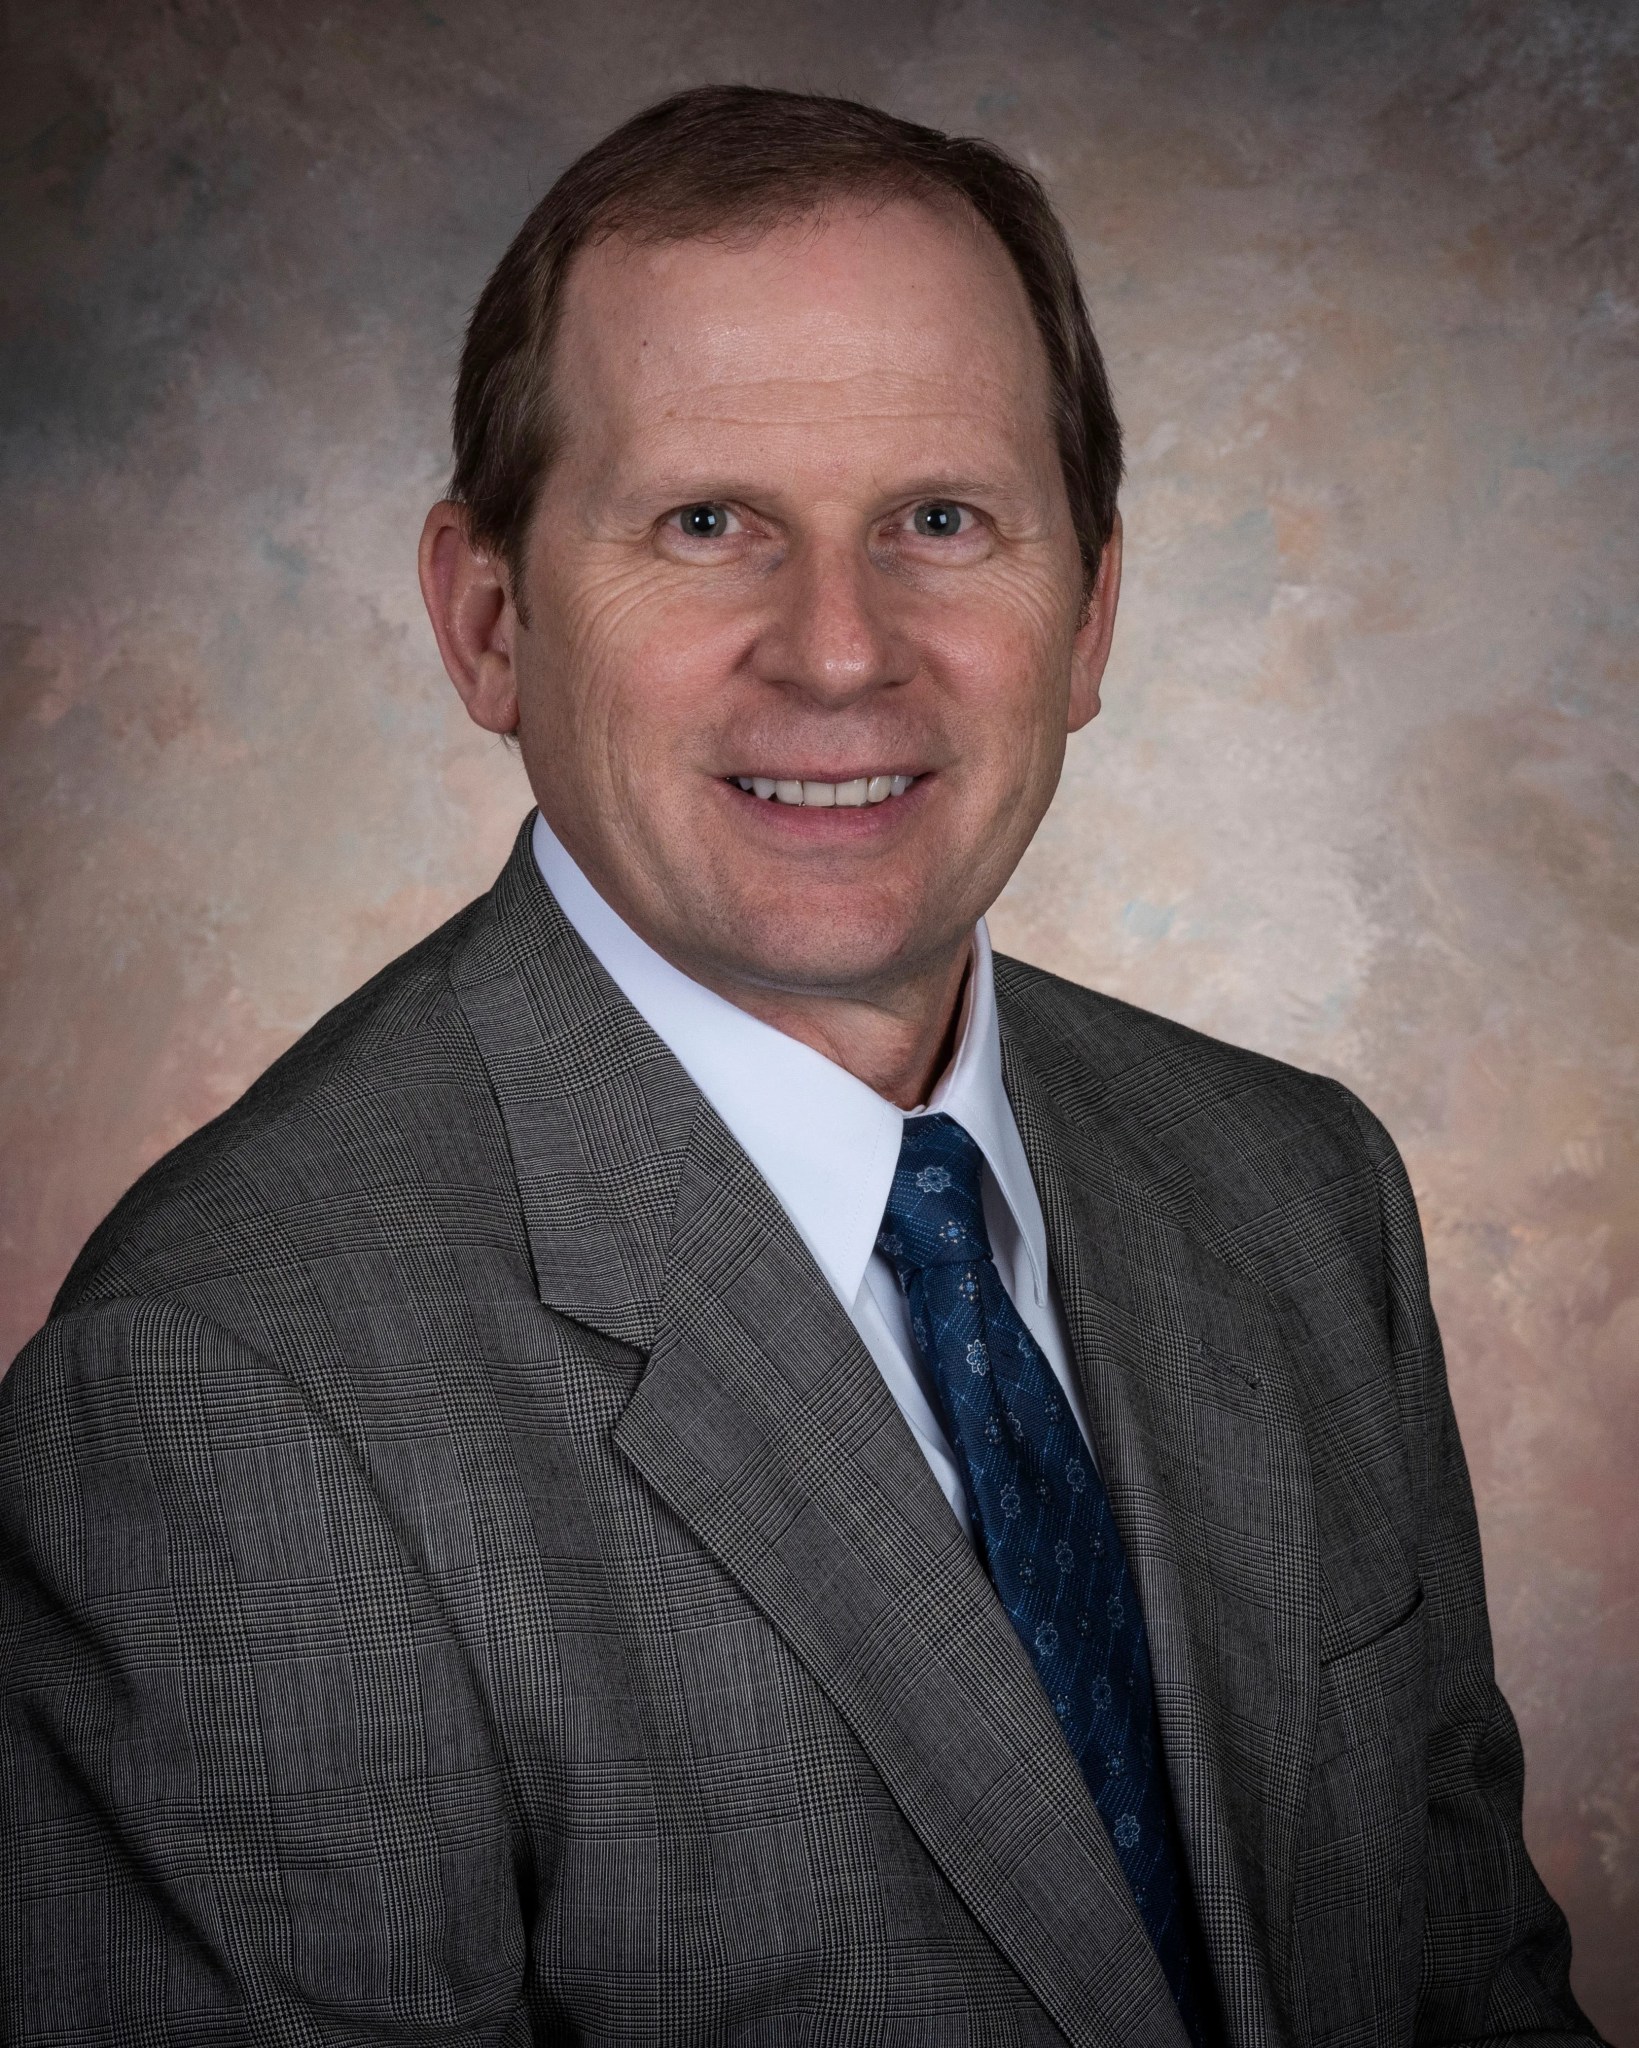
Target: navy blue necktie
(1044, 1524)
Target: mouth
(858, 793)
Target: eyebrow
(702, 487)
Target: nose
(831, 633)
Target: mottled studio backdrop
(1365, 791)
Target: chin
(824, 951)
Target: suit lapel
(767, 1429)
(764, 1426)
(1186, 1373)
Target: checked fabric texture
(437, 1523)
(1049, 1539)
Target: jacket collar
(826, 1144)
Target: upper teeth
(823, 796)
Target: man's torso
(613, 1641)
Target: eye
(703, 522)
(938, 520)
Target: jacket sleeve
(1496, 1950)
(248, 1790)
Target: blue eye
(703, 522)
(938, 521)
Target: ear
(469, 600)
(1091, 648)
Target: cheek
(1008, 666)
(639, 669)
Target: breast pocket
(1359, 1884)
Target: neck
(898, 1046)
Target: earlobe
(1085, 704)
(473, 617)
(1091, 649)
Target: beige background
(1365, 792)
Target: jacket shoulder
(1235, 1137)
(363, 1114)
(1141, 1059)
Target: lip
(846, 773)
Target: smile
(824, 796)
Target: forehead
(880, 314)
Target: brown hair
(738, 156)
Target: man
(703, 1461)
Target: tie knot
(935, 1213)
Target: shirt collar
(826, 1144)
(971, 1093)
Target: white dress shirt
(827, 1145)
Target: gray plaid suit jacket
(464, 1580)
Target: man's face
(807, 530)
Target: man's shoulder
(338, 1131)
(1232, 1131)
